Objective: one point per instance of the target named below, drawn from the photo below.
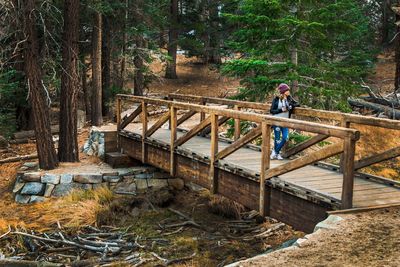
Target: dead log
(382, 101)
(391, 112)
(19, 158)
(55, 129)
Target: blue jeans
(281, 136)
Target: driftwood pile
(108, 245)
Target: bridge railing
(346, 146)
(342, 119)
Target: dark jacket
(275, 103)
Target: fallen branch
(167, 262)
(189, 220)
(66, 242)
(391, 112)
(19, 158)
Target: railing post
(144, 130)
(349, 149)
(118, 110)
(345, 124)
(173, 125)
(202, 114)
(265, 163)
(237, 125)
(213, 173)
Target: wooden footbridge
(298, 191)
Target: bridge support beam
(213, 173)
(265, 163)
(348, 173)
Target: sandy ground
(362, 239)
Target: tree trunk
(138, 59)
(170, 72)
(68, 150)
(105, 63)
(37, 92)
(397, 57)
(385, 21)
(295, 62)
(97, 118)
(85, 90)
(215, 39)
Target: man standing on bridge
(282, 106)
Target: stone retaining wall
(33, 186)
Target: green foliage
(11, 95)
(333, 41)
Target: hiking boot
(279, 157)
(273, 154)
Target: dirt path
(363, 239)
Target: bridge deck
(323, 181)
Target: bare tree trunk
(37, 91)
(97, 118)
(138, 59)
(170, 72)
(295, 62)
(68, 150)
(385, 21)
(105, 63)
(85, 90)
(215, 39)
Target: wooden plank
(173, 124)
(388, 154)
(144, 130)
(161, 121)
(265, 163)
(193, 132)
(214, 150)
(236, 134)
(298, 163)
(348, 173)
(128, 119)
(250, 136)
(185, 117)
(304, 145)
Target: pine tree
(332, 41)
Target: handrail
(347, 147)
(335, 131)
(306, 112)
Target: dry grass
(78, 209)
(225, 207)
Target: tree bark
(170, 72)
(37, 91)
(215, 39)
(397, 57)
(97, 118)
(385, 21)
(86, 92)
(138, 59)
(68, 150)
(105, 63)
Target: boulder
(33, 188)
(3, 142)
(49, 190)
(66, 178)
(18, 186)
(157, 183)
(95, 186)
(62, 190)
(82, 186)
(22, 199)
(32, 177)
(50, 179)
(111, 179)
(36, 199)
(176, 183)
(31, 165)
(88, 178)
